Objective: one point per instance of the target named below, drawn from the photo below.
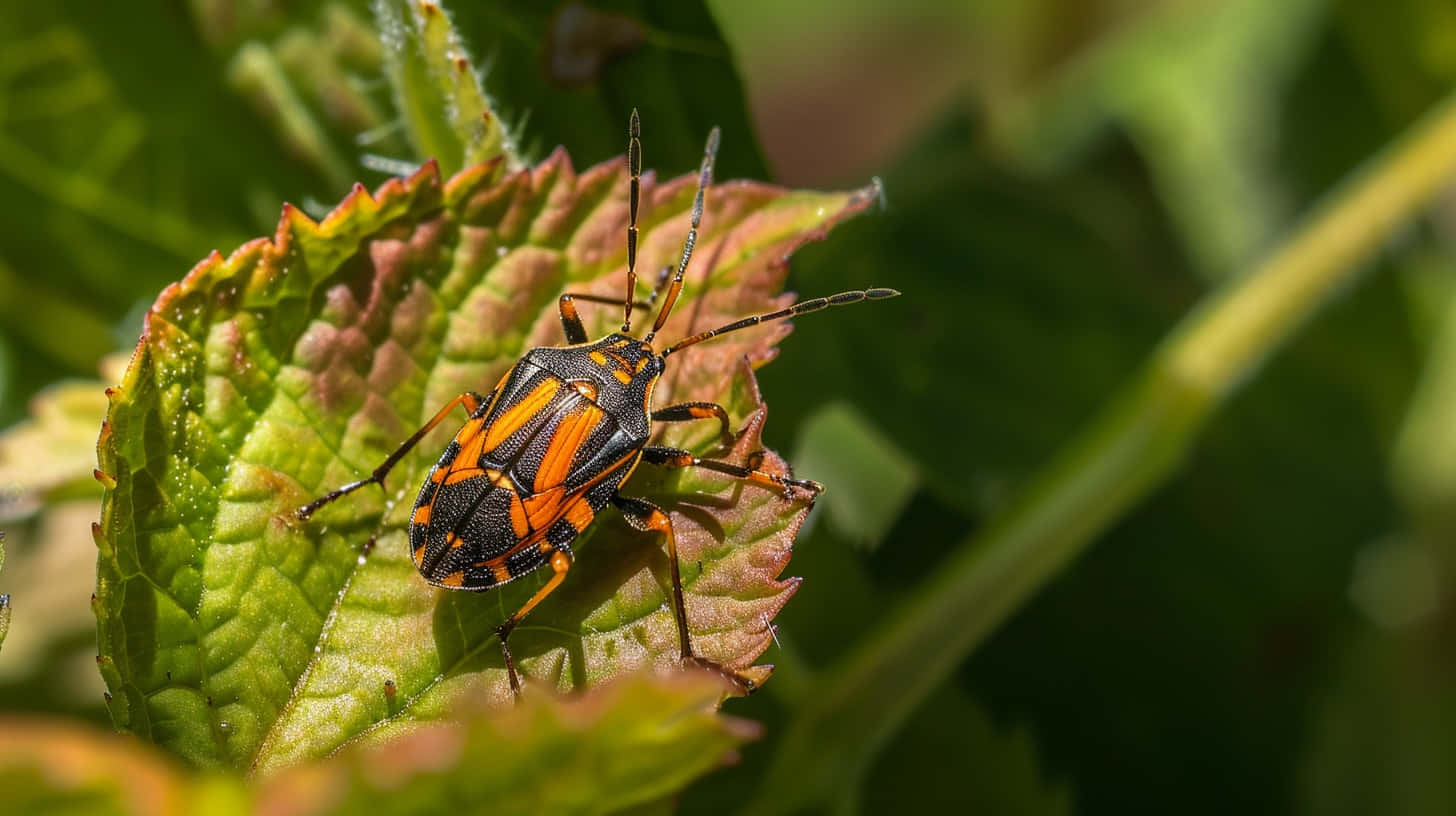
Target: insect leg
(688, 411)
(469, 399)
(560, 563)
(648, 517)
(570, 320)
(679, 458)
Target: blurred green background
(1268, 631)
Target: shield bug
(549, 447)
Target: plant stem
(1130, 448)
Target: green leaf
(446, 111)
(237, 636)
(623, 745)
(873, 479)
(619, 746)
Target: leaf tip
(429, 172)
(294, 219)
(471, 178)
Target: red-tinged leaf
(237, 636)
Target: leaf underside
(237, 636)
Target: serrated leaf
(237, 636)
(617, 747)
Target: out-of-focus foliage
(1063, 182)
(623, 745)
(4, 599)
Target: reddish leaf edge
(428, 181)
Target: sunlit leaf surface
(236, 635)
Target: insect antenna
(802, 307)
(634, 168)
(705, 177)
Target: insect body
(550, 446)
(534, 464)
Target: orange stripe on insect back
(500, 572)
(472, 445)
(543, 508)
(520, 525)
(579, 514)
(515, 417)
(570, 433)
(454, 579)
(422, 514)
(469, 431)
(457, 475)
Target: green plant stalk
(438, 94)
(1131, 447)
